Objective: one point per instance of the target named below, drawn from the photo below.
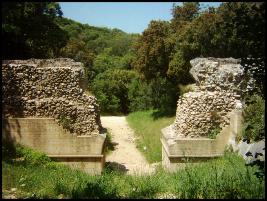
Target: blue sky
(131, 17)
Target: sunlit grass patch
(148, 131)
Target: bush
(165, 95)
(140, 96)
(159, 93)
(253, 128)
(122, 91)
(111, 90)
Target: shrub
(159, 93)
(140, 96)
(253, 128)
(165, 95)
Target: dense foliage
(29, 30)
(254, 119)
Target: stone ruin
(52, 88)
(219, 88)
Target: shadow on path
(109, 145)
(114, 166)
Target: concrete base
(173, 163)
(177, 152)
(44, 134)
(90, 164)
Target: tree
(183, 47)
(184, 14)
(105, 61)
(121, 43)
(234, 29)
(241, 32)
(152, 51)
(29, 30)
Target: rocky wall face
(219, 88)
(49, 88)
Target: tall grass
(36, 176)
(147, 128)
(225, 177)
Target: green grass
(147, 128)
(36, 176)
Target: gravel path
(126, 157)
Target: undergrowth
(34, 175)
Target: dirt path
(126, 156)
